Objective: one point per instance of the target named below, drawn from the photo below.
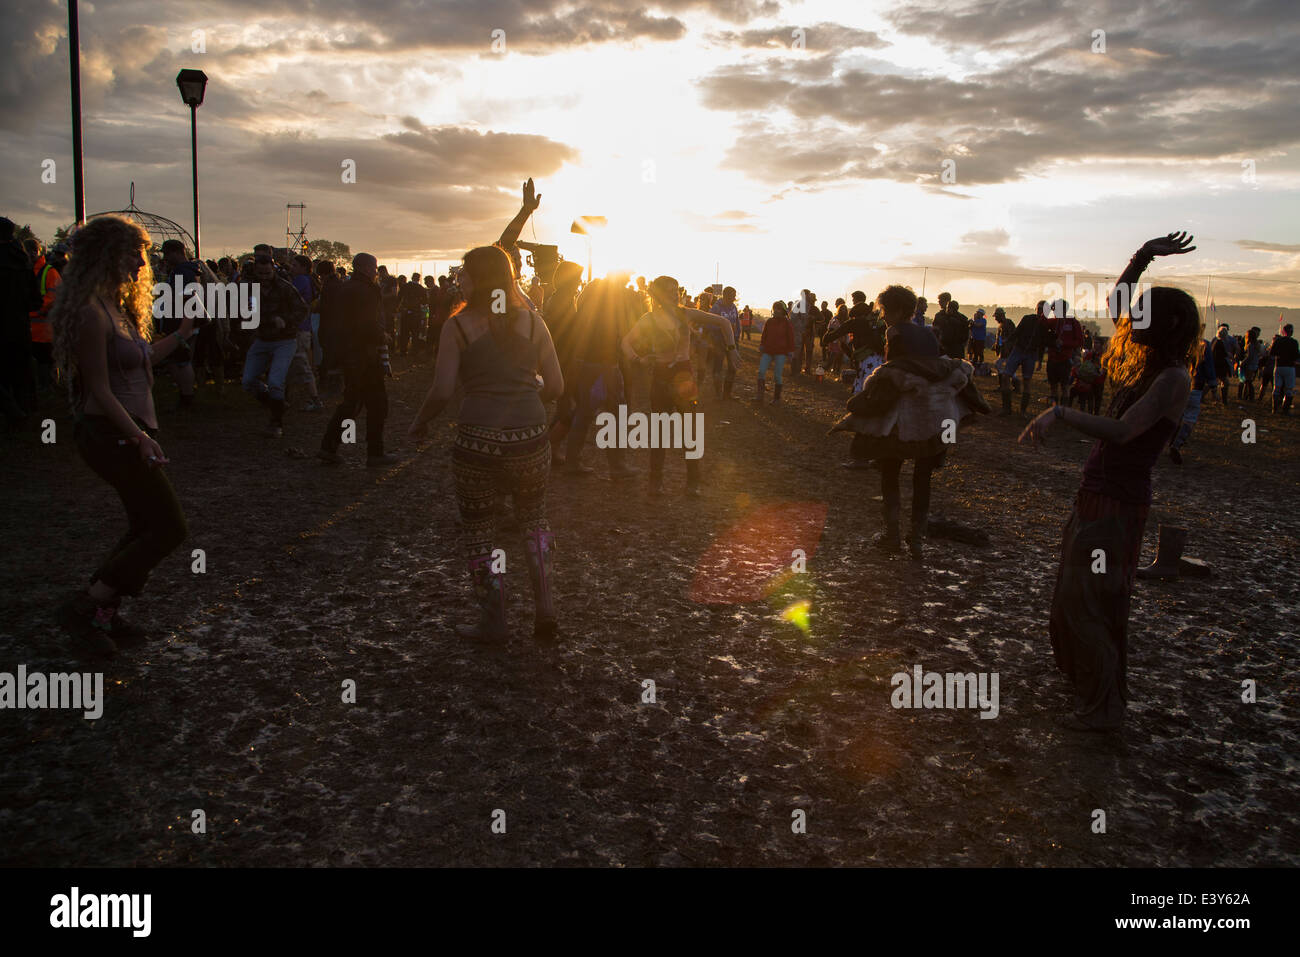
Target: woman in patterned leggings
(495, 345)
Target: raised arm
(1124, 293)
(531, 201)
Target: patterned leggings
(488, 462)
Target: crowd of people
(535, 364)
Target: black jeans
(363, 387)
(156, 523)
(892, 495)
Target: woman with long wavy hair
(1149, 362)
(103, 325)
(494, 345)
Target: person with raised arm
(102, 323)
(1149, 360)
(661, 339)
(495, 350)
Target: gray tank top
(129, 379)
(500, 380)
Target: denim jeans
(1191, 413)
(1284, 381)
(272, 359)
(596, 388)
(765, 360)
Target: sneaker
(377, 461)
(330, 458)
(77, 614)
(618, 475)
(1175, 456)
(577, 468)
(315, 405)
(275, 431)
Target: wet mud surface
(315, 576)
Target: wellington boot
(490, 595)
(1168, 551)
(539, 547)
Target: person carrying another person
(904, 412)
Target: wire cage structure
(160, 228)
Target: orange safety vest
(42, 331)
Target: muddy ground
(318, 575)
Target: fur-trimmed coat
(901, 410)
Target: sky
(772, 145)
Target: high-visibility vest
(42, 331)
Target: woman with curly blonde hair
(103, 325)
(1148, 361)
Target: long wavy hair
(95, 270)
(1134, 357)
(493, 275)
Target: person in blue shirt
(1203, 379)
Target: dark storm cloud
(1166, 90)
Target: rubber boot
(1286, 405)
(888, 540)
(916, 537)
(1006, 403)
(776, 392)
(539, 547)
(1168, 552)
(727, 384)
(1276, 404)
(759, 390)
(1024, 401)
(490, 595)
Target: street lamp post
(74, 69)
(192, 83)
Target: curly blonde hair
(96, 269)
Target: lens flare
(797, 615)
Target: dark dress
(1089, 619)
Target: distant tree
(25, 232)
(340, 254)
(61, 234)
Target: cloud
(1184, 95)
(1260, 246)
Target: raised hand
(532, 199)
(1172, 245)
